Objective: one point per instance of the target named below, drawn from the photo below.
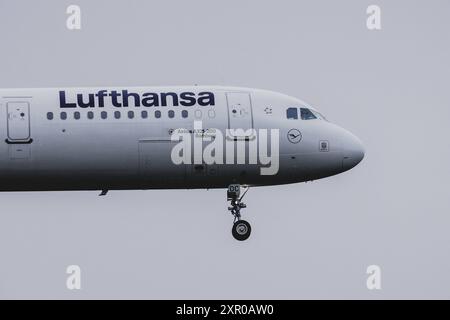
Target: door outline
(250, 105)
(11, 140)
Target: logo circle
(294, 136)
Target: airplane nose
(353, 151)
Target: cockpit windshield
(319, 115)
(305, 114)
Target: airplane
(57, 139)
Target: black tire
(241, 230)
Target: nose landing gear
(241, 229)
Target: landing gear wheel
(241, 230)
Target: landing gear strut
(241, 229)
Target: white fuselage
(122, 138)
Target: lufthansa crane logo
(294, 136)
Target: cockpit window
(319, 115)
(292, 113)
(306, 114)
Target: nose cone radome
(353, 151)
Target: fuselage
(123, 138)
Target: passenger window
(50, 115)
(292, 113)
(306, 114)
(184, 113)
(144, 114)
(117, 114)
(76, 115)
(63, 116)
(157, 114)
(171, 113)
(104, 115)
(90, 115)
(130, 114)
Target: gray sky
(314, 240)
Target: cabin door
(239, 111)
(18, 122)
